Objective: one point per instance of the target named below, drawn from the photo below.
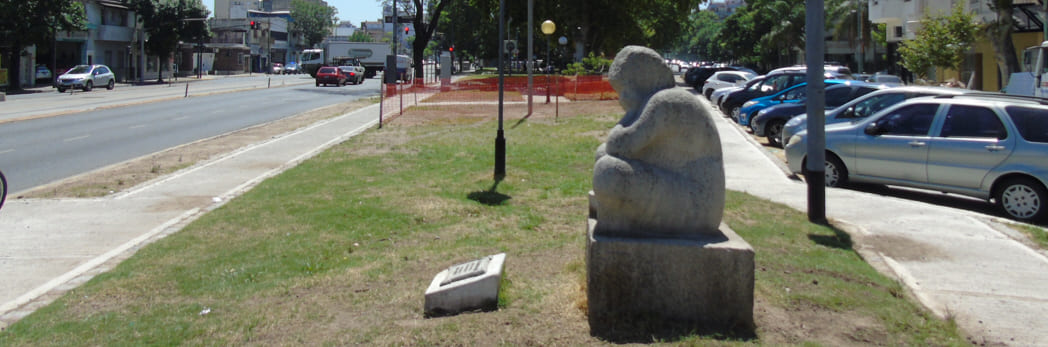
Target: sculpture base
(639, 288)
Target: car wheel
(318, 84)
(773, 131)
(1023, 199)
(88, 86)
(836, 173)
(734, 113)
(61, 90)
(111, 85)
(708, 93)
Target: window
(796, 93)
(912, 120)
(972, 121)
(837, 96)
(898, 31)
(1031, 122)
(871, 105)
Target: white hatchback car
(86, 77)
(721, 79)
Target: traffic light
(406, 30)
(451, 49)
(254, 25)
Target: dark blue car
(769, 121)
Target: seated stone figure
(661, 172)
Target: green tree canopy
(28, 22)
(169, 21)
(941, 41)
(312, 21)
(360, 36)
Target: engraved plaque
(467, 270)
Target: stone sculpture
(661, 172)
(659, 262)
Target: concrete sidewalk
(959, 264)
(51, 246)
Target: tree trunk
(14, 68)
(1001, 37)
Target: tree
(169, 21)
(360, 36)
(941, 42)
(1000, 33)
(28, 22)
(312, 21)
(425, 15)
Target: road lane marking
(71, 139)
(180, 118)
(6, 151)
(137, 126)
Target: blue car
(792, 94)
(769, 121)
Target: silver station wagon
(988, 146)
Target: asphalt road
(130, 122)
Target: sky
(355, 11)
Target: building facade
(902, 19)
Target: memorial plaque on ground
(467, 286)
(466, 270)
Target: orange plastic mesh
(398, 97)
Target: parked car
(791, 95)
(696, 76)
(291, 68)
(86, 77)
(721, 79)
(719, 95)
(988, 146)
(769, 121)
(774, 82)
(866, 105)
(354, 73)
(885, 78)
(43, 73)
(330, 75)
(277, 69)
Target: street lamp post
(548, 28)
(563, 41)
(500, 139)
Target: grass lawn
(339, 250)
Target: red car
(330, 75)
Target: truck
(371, 55)
(1033, 80)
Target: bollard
(269, 82)
(187, 91)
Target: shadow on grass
(490, 197)
(839, 239)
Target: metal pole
(862, 45)
(500, 139)
(816, 169)
(531, 49)
(547, 69)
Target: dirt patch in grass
(121, 176)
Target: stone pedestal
(648, 287)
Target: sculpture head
(637, 73)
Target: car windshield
(327, 70)
(80, 69)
